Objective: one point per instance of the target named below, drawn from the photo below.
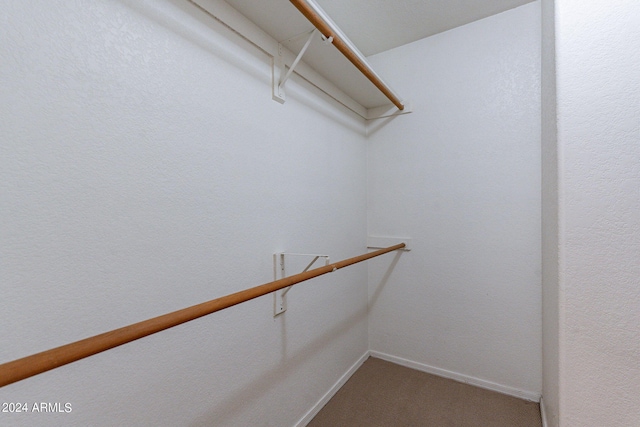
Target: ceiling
(373, 26)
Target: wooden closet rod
(29, 366)
(314, 15)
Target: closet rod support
(298, 58)
(314, 13)
(279, 67)
(280, 272)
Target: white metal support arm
(279, 75)
(280, 272)
(298, 58)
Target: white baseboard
(332, 391)
(511, 391)
(543, 413)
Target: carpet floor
(383, 394)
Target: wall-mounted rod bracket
(388, 111)
(280, 272)
(325, 39)
(377, 242)
(278, 79)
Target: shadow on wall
(235, 403)
(261, 385)
(211, 35)
(374, 125)
(216, 38)
(383, 281)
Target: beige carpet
(381, 394)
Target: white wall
(550, 289)
(598, 84)
(461, 176)
(144, 168)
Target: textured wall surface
(144, 168)
(461, 176)
(550, 281)
(598, 82)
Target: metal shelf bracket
(280, 272)
(279, 76)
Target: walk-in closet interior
(214, 213)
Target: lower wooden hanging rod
(29, 366)
(318, 18)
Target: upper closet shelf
(331, 32)
(288, 35)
